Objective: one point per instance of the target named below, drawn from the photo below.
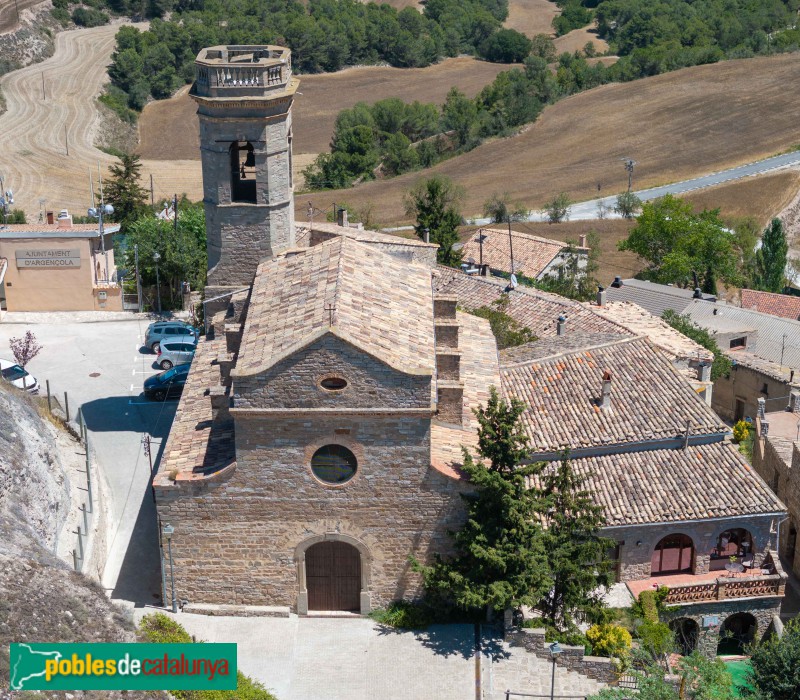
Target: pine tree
(771, 259)
(434, 204)
(576, 552)
(500, 560)
(123, 190)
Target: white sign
(48, 258)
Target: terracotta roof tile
(375, 301)
(781, 305)
(654, 486)
(650, 400)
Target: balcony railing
(731, 587)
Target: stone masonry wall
(745, 384)
(294, 382)
(573, 658)
(235, 541)
(634, 559)
(762, 609)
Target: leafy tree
(627, 205)
(459, 114)
(182, 251)
(770, 263)
(746, 232)
(399, 157)
(508, 332)
(17, 216)
(721, 366)
(500, 209)
(775, 665)
(24, 349)
(500, 560)
(542, 45)
(678, 244)
(570, 279)
(506, 46)
(434, 204)
(89, 17)
(557, 209)
(123, 190)
(576, 552)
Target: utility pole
(152, 196)
(138, 278)
(66, 139)
(510, 245)
(480, 245)
(44, 94)
(629, 163)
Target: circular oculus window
(333, 383)
(334, 464)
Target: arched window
(243, 172)
(673, 555)
(736, 542)
(334, 464)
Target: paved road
(590, 209)
(102, 369)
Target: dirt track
(34, 133)
(10, 10)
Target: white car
(18, 376)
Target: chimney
(427, 235)
(794, 401)
(341, 217)
(64, 219)
(560, 326)
(617, 283)
(601, 295)
(697, 293)
(582, 240)
(50, 218)
(704, 372)
(605, 396)
(762, 406)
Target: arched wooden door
(333, 577)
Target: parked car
(166, 384)
(18, 376)
(176, 352)
(167, 330)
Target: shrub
(649, 603)
(741, 430)
(656, 638)
(161, 629)
(89, 17)
(403, 614)
(609, 640)
(574, 637)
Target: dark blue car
(166, 384)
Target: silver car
(177, 351)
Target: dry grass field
(611, 261)
(532, 16)
(578, 38)
(676, 126)
(169, 130)
(761, 197)
(10, 10)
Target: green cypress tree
(771, 259)
(434, 203)
(500, 560)
(576, 552)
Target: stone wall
(746, 384)
(762, 609)
(295, 381)
(572, 658)
(240, 541)
(637, 542)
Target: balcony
(687, 589)
(242, 71)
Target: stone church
(316, 445)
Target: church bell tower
(244, 102)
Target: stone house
(317, 443)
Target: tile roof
(479, 370)
(782, 305)
(776, 339)
(530, 307)
(659, 332)
(360, 234)
(650, 400)
(196, 447)
(379, 304)
(759, 364)
(46, 231)
(655, 298)
(532, 254)
(672, 485)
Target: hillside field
(676, 126)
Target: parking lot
(101, 366)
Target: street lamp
(6, 198)
(168, 532)
(555, 650)
(99, 213)
(156, 258)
